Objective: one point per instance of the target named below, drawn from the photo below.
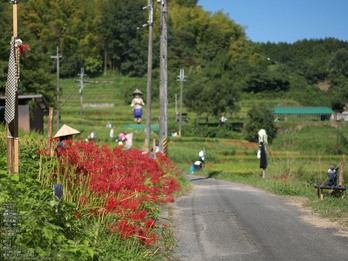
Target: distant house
(28, 120)
(303, 113)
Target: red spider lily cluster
(23, 48)
(250, 145)
(120, 183)
(284, 178)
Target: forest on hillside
(223, 66)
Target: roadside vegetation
(109, 210)
(299, 157)
(102, 216)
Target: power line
(267, 58)
(90, 28)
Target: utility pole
(176, 107)
(105, 60)
(149, 81)
(337, 138)
(182, 80)
(57, 57)
(82, 74)
(163, 132)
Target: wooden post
(180, 122)
(10, 144)
(154, 148)
(15, 154)
(15, 24)
(182, 80)
(264, 173)
(341, 179)
(50, 127)
(16, 139)
(321, 194)
(205, 159)
(149, 81)
(12, 127)
(337, 138)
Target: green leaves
(47, 233)
(14, 177)
(261, 117)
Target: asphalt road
(221, 220)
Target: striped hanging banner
(12, 85)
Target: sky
(286, 20)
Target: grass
(299, 149)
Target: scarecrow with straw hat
(65, 133)
(138, 104)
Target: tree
(270, 81)
(34, 76)
(125, 45)
(216, 91)
(261, 117)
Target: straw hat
(137, 92)
(66, 131)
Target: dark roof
(302, 110)
(23, 99)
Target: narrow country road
(221, 220)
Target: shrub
(261, 117)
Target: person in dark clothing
(332, 176)
(263, 159)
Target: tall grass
(189, 156)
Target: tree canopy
(222, 64)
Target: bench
(321, 188)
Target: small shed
(305, 113)
(25, 121)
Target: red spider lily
(23, 48)
(123, 181)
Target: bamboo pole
(50, 127)
(154, 148)
(15, 24)
(10, 144)
(341, 179)
(15, 142)
(264, 173)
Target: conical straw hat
(137, 92)
(66, 131)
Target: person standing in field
(138, 104)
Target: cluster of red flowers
(251, 145)
(126, 182)
(284, 178)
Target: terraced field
(300, 150)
